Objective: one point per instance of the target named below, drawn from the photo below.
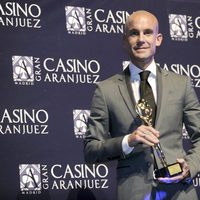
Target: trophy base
(169, 171)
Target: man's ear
(159, 39)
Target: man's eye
(133, 33)
(148, 32)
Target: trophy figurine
(144, 111)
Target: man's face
(142, 39)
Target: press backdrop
(51, 55)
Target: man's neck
(142, 64)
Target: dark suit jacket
(113, 116)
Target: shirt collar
(134, 71)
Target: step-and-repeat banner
(51, 55)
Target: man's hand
(144, 134)
(180, 177)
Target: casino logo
(21, 121)
(81, 20)
(80, 122)
(30, 178)
(30, 70)
(184, 27)
(178, 27)
(75, 20)
(23, 72)
(34, 178)
(20, 15)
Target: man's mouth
(140, 48)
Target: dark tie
(147, 93)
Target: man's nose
(141, 37)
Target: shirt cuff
(125, 147)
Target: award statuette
(144, 111)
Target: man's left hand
(185, 174)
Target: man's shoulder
(112, 79)
(174, 75)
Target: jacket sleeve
(99, 146)
(191, 120)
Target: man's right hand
(144, 134)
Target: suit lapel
(162, 92)
(126, 91)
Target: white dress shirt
(135, 83)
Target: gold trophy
(144, 111)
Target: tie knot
(144, 75)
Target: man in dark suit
(115, 131)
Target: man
(115, 130)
